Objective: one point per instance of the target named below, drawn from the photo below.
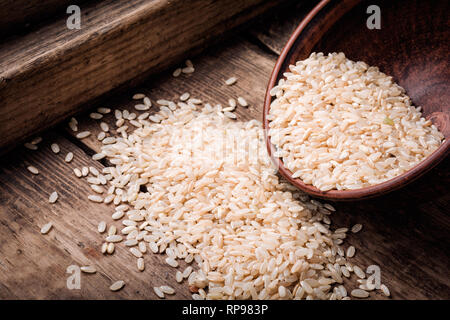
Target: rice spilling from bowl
(340, 124)
(201, 188)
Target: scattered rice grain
(69, 157)
(46, 228)
(116, 286)
(53, 197)
(83, 134)
(33, 169)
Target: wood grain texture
(33, 266)
(48, 74)
(405, 233)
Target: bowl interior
(412, 46)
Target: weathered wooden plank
(48, 74)
(34, 265)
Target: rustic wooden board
(34, 265)
(50, 73)
(405, 233)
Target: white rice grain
(96, 116)
(30, 146)
(185, 96)
(101, 227)
(33, 169)
(359, 293)
(114, 238)
(357, 228)
(141, 264)
(177, 72)
(83, 134)
(350, 251)
(110, 248)
(53, 197)
(229, 115)
(69, 157)
(242, 102)
(116, 286)
(103, 110)
(385, 290)
(171, 262)
(88, 269)
(46, 228)
(95, 198)
(232, 103)
(188, 70)
(138, 96)
(167, 289)
(77, 172)
(158, 292)
(230, 81)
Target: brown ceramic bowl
(412, 46)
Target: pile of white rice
(339, 124)
(200, 187)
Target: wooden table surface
(405, 232)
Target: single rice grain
(242, 102)
(83, 134)
(101, 226)
(96, 116)
(116, 286)
(359, 293)
(138, 96)
(88, 269)
(158, 292)
(356, 228)
(53, 197)
(33, 169)
(230, 81)
(385, 290)
(46, 228)
(69, 157)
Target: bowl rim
(339, 195)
